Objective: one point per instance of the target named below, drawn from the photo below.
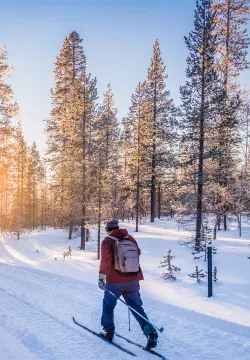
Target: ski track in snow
(36, 308)
(37, 300)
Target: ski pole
(129, 327)
(133, 310)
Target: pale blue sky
(117, 38)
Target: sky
(118, 37)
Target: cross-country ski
(141, 346)
(98, 335)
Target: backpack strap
(112, 237)
(116, 239)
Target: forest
(189, 161)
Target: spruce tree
(233, 42)
(110, 139)
(161, 120)
(136, 145)
(60, 127)
(69, 131)
(100, 181)
(18, 209)
(233, 38)
(104, 171)
(8, 106)
(172, 269)
(8, 110)
(82, 144)
(200, 97)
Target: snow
(40, 292)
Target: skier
(120, 275)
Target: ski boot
(108, 333)
(152, 340)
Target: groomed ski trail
(36, 310)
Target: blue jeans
(131, 295)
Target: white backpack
(126, 256)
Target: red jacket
(107, 259)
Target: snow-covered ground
(40, 292)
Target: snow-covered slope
(39, 295)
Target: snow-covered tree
(160, 122)
(233, 41)
(200, 98)
(172, 269)
(69, 133)
(8, 111)
(136, 133)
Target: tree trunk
(153, 178)
(6, 195)
(215, 232)
(159, 201)
(138, 166)
(99, 235)
(83, 235)
(201, 152)
(87, 234)
(83, 174)
(219, 222)
(225, 222)
(22, 187)
(33, 206)
(240, 227)
(153, 198)
(99, 213)
(45, 210)
(226, 72)
(18, 198)
(70, 229)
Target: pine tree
(172, 269)
(43, 197)
(233, 42)
(137, 142)
(206, 239)
(69, 134)
(161, 120)
(100, 184)
(138, 109)
(8, 109)
(18, 208)
(200, 96)
(198, 274)
(103, 170)
(34, 182)
(109, 124)
(82, 140)
(241, 196)
(110, 138)
(61, 125)
(186, 185)
(232, 18)
(8, 106)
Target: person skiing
(120, 274)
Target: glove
(102, 281)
